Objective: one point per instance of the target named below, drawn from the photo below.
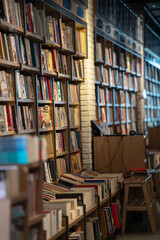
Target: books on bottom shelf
(78, 235)
(19, 149)
(93, 228)
(52, 222)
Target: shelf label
(80, 12)
(99, 24)
(67, 4)
(108, 29)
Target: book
(45, 120)
(78, 68)
(74, 116)
(25, 86)
(6, 89)
(73, 93)
(76, 162)
(60, 143)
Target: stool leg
(149, 207)
(126, 193)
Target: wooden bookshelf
(117, 70)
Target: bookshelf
(37, 81)
(118, 72)
(151, 86)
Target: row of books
(76, 162)
(6, 87)
(78, 68)
(102, 95)
(26, 118)
(52, 222)
(49, 143)
(24, 86)
(54, 29)
(81, 41)
(61, 117)
(73, 93)
(35, 19)
(74, 116)
(67, 36)
(45, 120)
(7, 118)
(49, 60)
(99, 55)
(44, 88)
(12, 12)
(58, 91)
(75, 140)
(19, 150)
(60, 143)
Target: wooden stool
(156, 181)
(141, 203)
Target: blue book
(16, 157)
(13, 143)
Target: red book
(9, 118)
(40, 117)
(89, 185)
(30, 17)
(115, 216)
(55, 60)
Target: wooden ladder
(148, 203)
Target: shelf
(34, 36)
(67, 50)
(51, 44)
(49, 73)
(78, 79)
(10, 27)
(62, 154)
(77, 220)
(97, 82)
(30, 69)
(92, 209)
(105, 200)
(50, 156)
(115, 194)
(25, 101)
(102, 104)
(74, 127)
(80, 55)
(64, 76)
(100, 61)
(22, 197)
(33, 220)
(8, 133)
(45, 129)
(7, 99)
(105, 84)
(74, 104)
(9, 64)
(60, 102)
(45, 101)
(27, 131)
(75, 151)
(61, 128)
(34, 165)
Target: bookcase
(25, 203)
(152, 88)
(118, 72)
(43, 44)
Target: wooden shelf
(34, 36)
(25, 101)
(10, 27)
(60, 102)
(77, 220)
(9, 64)
(92, 209)
(33, 220)
(30, 69)
(58, 233)
(78, 79)
(45, 101)
(7, 99)
(34, 165)
(67, 50)
(22, 197)
(50, 156)
(61, 128)
(80, 55)
(74, 104)
(45, 129)
(75, 151)
(74, 127)
(27, 131)
(51, 44)
(64, 76)
(49, 73)
(9, 133)
(62, 154)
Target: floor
(139, 236)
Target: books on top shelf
(54, 29)
(19, 149)
(24, 86)
(8, 118)
(26, 118)
(60, 143)
(61, 117)
(123, 61)
(12, 12)
(6, 87)
(76, 162)
(81, 41)
(35, 19)
(75, 140)
(29, 52)
(58, 91)
(9, 47)
(67, 36)
(78, 68)
(108, 55)
(45, 120)
(44, 88)
(99, 55)
(74, 116)
(73, 93)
